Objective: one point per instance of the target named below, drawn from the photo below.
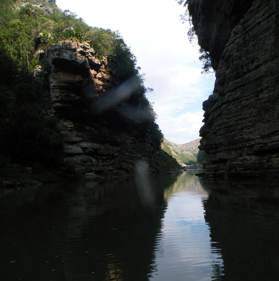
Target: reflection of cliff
(245, 192)
(121, 243)
(92, 236)
(185, 182)
(247, 234)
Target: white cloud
(183, 126)
(158, 38)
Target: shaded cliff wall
(214, 21)
(114, 235)
(67, 109)
(107, 125)
(241, 130)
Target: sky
(154, 31)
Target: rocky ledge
(240, 135)
(106, 129)
(100, 142)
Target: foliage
(205, 57)
(206, 60)
(5, 9)
(166, 162)
(121, 53)
(180, 153)
(103, 40)
(29, 26)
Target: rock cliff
(72, 103)
(241, 123)
(105, 127)
(72, 106)
(99, 139)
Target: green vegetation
(32, 25)
(204, 57)
(185, 154)
(28, 28)
(167, 162)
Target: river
(181, 233)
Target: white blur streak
(117, 95)
(143, 183)
(160, 44)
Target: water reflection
(184, 251)
(106, 233)
(93, 236)
(244, 225)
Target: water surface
(110, 233)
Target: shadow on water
(98, 233)
(107, 233)
(244, 224)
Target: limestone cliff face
(241, 131)
(100, 141)
(214, 21)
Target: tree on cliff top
(204, 57)
(27, 31)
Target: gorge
(90, 190)
(240, 133)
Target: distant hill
(183, 153)
(192, 146)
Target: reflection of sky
(184, 250)
(154, 31)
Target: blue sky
(158, 38)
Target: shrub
(26, 129)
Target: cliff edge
(73, 102)
(240, 135)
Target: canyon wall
(107, 125)
(240, 135)
(73, 105)
(105, 131)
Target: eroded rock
(241, 130)
(96, 146)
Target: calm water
(113, 233)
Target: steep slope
(241, 131)
(102, 134)
(183, 153)
(72, 101)
(192, 146)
